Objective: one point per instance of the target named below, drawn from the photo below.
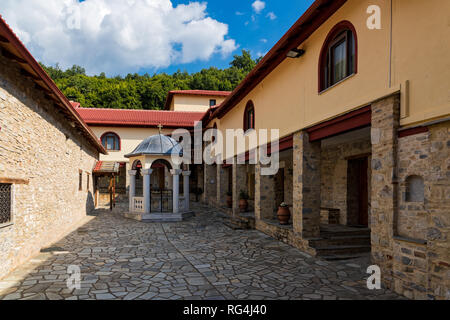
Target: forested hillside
(145, 91)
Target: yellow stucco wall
(193, 103)
(288, 98)
(130, 139)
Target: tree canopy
(144, 91)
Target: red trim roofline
(194, 93)
(41, 76)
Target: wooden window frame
(104, 141)
(336, 36)
(250, 107)
(80, 180)
(210, 103)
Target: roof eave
(28, 59)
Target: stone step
(343, 257)
(342, 233)
(341, 240)
(343, 250)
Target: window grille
(5, 204)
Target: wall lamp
(295, 53)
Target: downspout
(390, 47)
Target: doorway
(358, 192)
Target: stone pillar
(132, 192)
(176, 190)
(385, 124)
(187, 194)
(210, 192)
(239, 183)
(307, 185)
(265, 204)
(222, 186)
(146, 189)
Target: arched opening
(137, 166)
(339, 55)
(111, 141)
(249, 116)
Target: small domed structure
(157, 145)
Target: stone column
(132, 192)
(176, 190)
(239, 183)
(210, 176)
(385, 124)
(264, 195)
(187, 195)
(146, 188)
(222, 186)
(307, 185)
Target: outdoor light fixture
(295, 53)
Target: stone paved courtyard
(197, 259)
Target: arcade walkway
(197, 259)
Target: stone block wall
(37, 144)
(422, 247)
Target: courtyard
(197, 259)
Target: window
(88, 180)
(212, 102)
(5, 204)
(415, 189)
(111, 141)
(80, 180)
(338, 59)
(249, 116)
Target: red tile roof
(194, 93)
(15, 50)
(139, 118)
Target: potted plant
(230, 199)
(243, 201)
(284, 214)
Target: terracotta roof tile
(139, 118)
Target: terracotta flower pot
(284, 215)
(230, 201)
(243, 205)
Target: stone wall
(38, 145)
(422, 248)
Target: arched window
(339, 55)
(111, 141)
(415, 189)
(249, 116)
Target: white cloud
(258, 6)
(271, 16)
(263, 40)
(117, 36)
(238, 13)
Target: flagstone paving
(197, 259)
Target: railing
(138, 204)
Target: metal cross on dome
(160, 127)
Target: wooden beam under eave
(11, 56)
(3, 39)
(29, 74)
(13, 181)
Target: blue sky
(258, 36)
(128, 36)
